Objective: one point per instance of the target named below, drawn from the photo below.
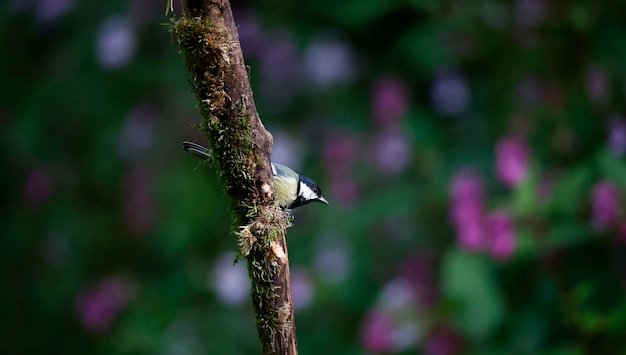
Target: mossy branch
(240, 148)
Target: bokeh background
(472, 152)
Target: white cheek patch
(306, 192)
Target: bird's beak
(321, 199)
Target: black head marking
(312, 185)
(308, 191)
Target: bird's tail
(197, 150)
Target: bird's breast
(286, 190)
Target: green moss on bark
(226, 123)
(258, 224)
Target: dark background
(472, 153)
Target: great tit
(292, 190)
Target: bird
(292, 189)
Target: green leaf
(468, 281)
(612, 168)
(568, 234)
(525, 196)
(571, 191)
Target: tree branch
(240, 148)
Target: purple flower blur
(332, 262)
(280, 65)
(466, 197)
(450, 93)
(512, 160)
(471, 234)
(279, 60)
(467, 209)
(137, 133)
(597, 84)
(419, 272)
(391, 150)
(339, 156)
(502, 236)
(617, 135)
(302, 289)
(606, 203)
(250, 31)
(376, 333)
(98, 305)
(53, 9)
(476, 230)
(116, 42)
(230, 282)
(328, 62)
(389, 101)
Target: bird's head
(308, 192)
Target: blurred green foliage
(113, 241)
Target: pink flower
(477, 231)
(471, 234)
(466, 197)
(502, 236)
(99, 304)
(389, 101)
(606, 201)
(376, 333)
(512, 161)
(467, 209)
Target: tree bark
(240, 148)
